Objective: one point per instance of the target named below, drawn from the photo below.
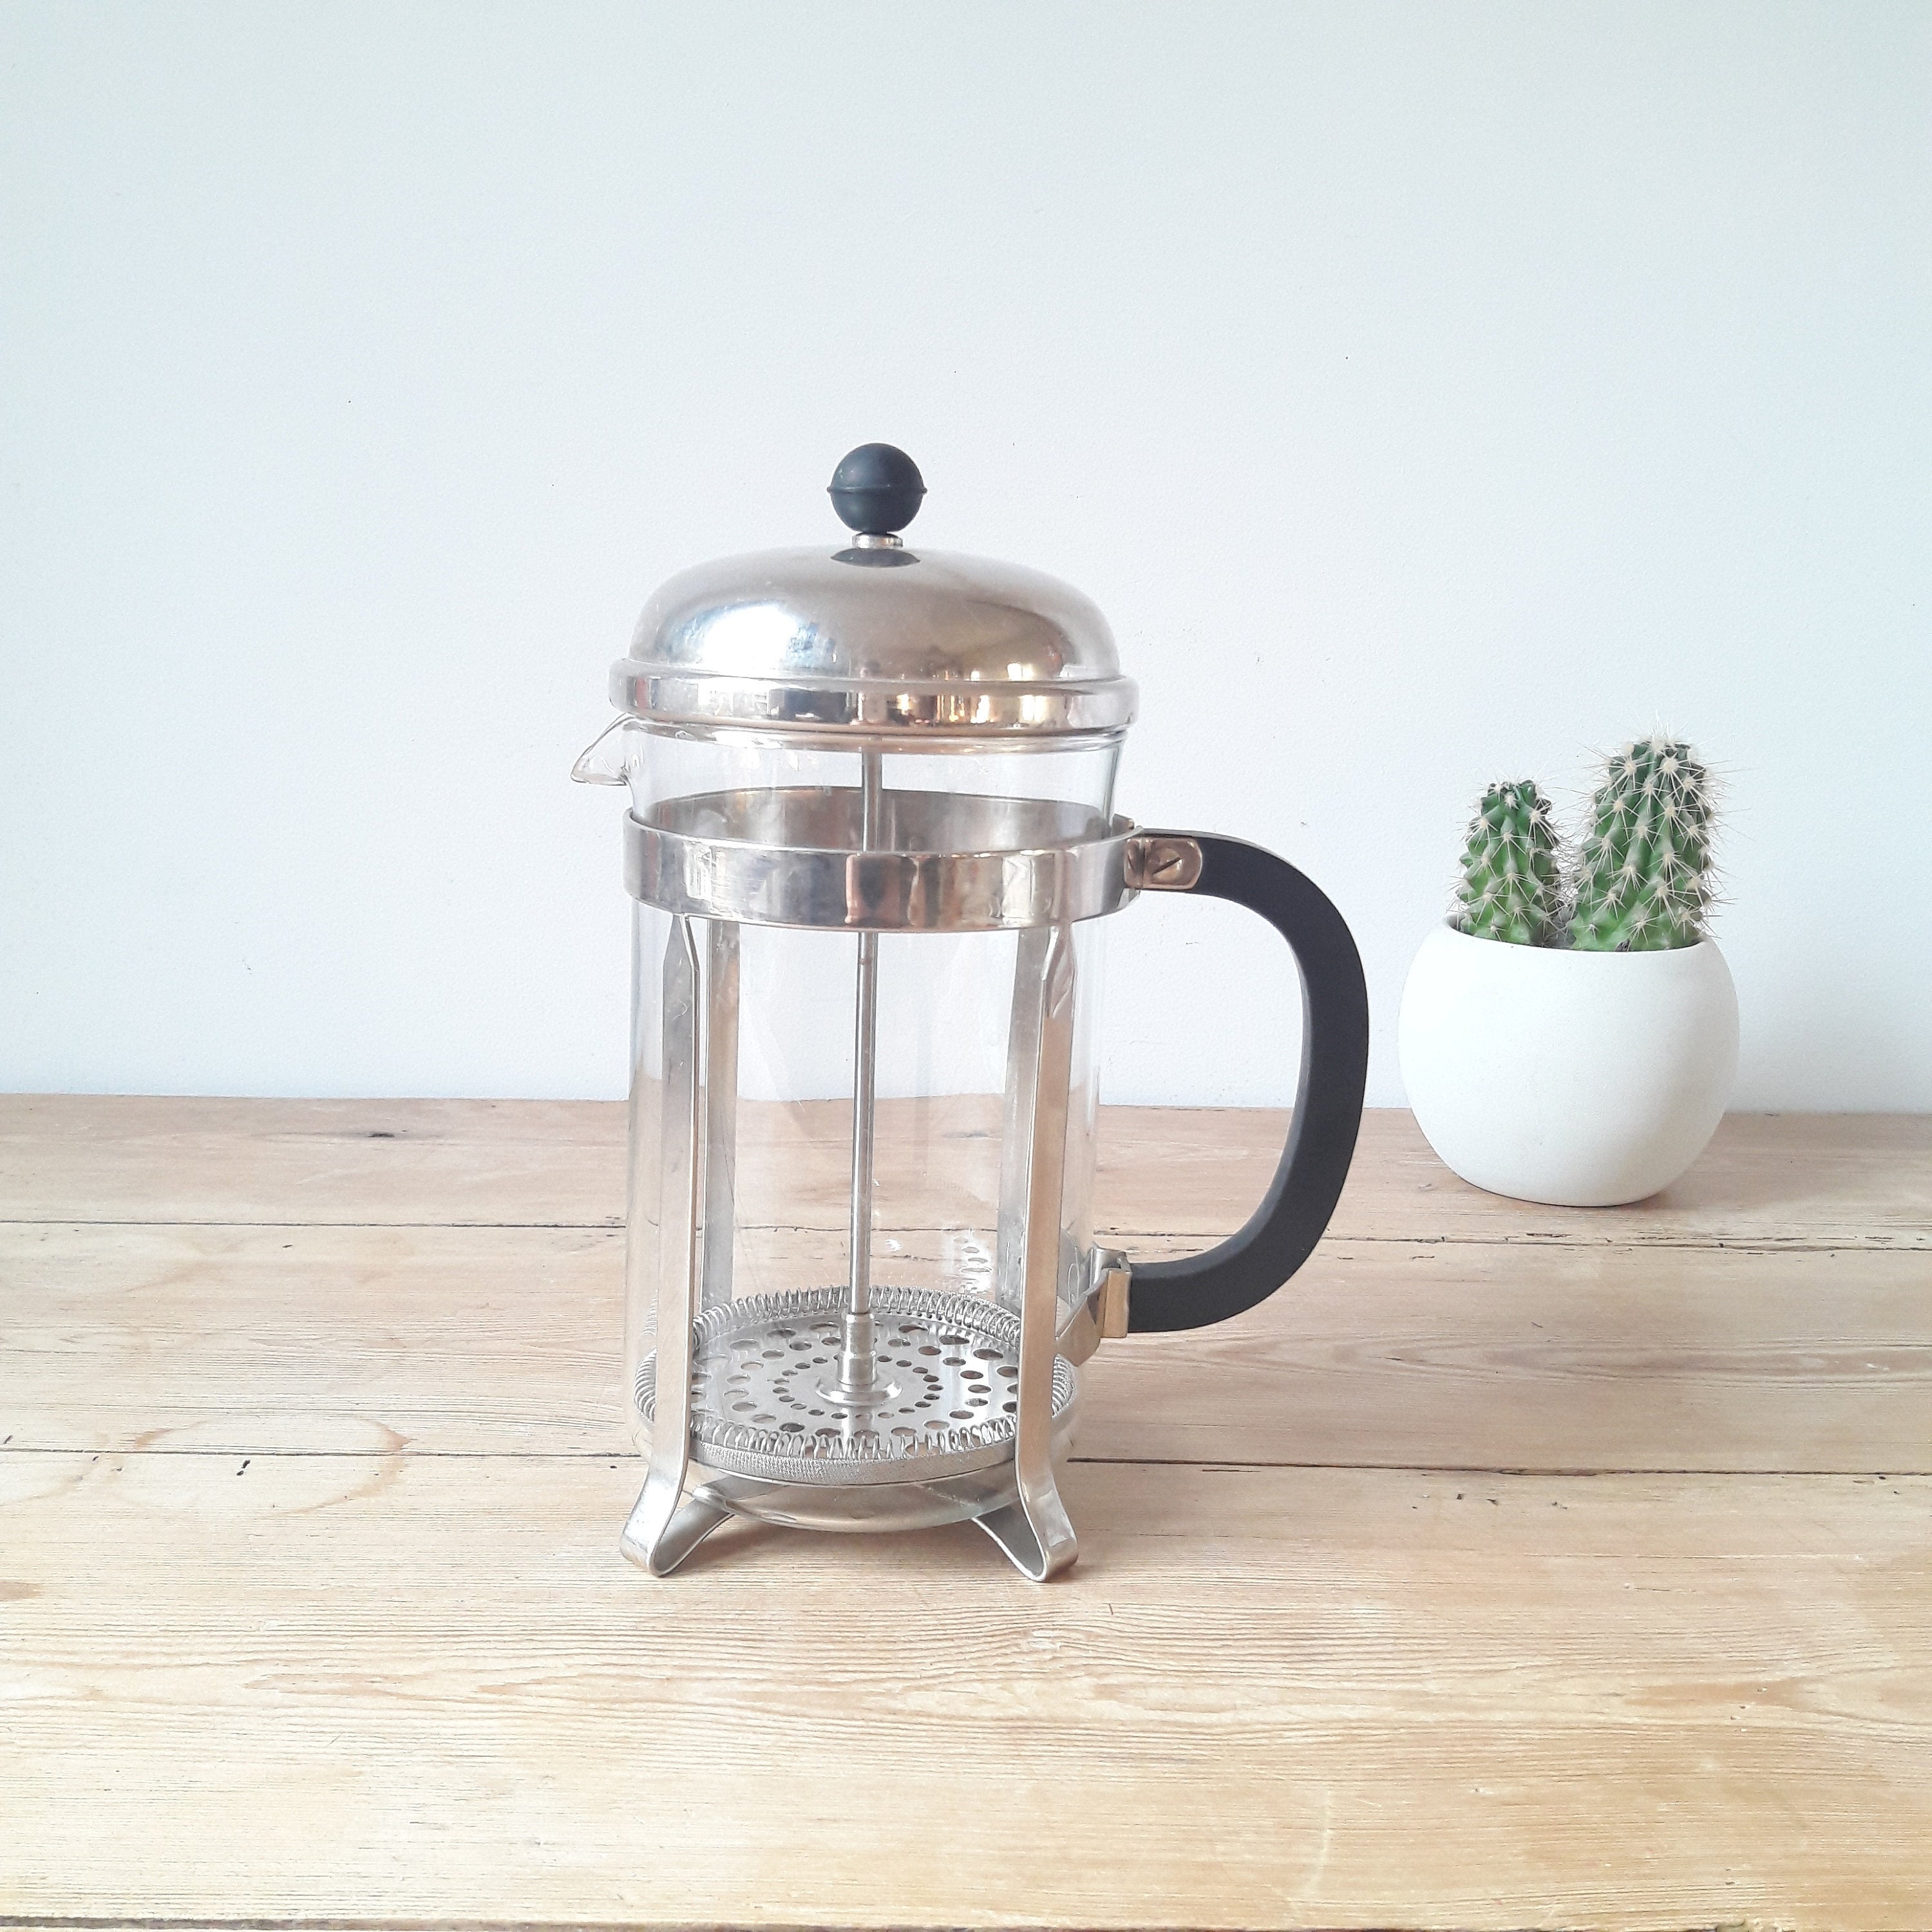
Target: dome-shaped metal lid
(872, 637)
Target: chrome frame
(647, 1540)
(1023, 1046)
(1034, 1531)
(940, 862)
(719, 1063)
(712, 862)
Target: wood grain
(1380, 1353)
(321, 1687)
(310, 1470)
(1834, 1180)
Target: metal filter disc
(765, 1404)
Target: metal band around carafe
(837, 888)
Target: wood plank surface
(1836, 1181)
(1517, 1567)
(312, 1686)
(1379, 1353)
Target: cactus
(1508, 886)
(1642, 870)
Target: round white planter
(1585, 1078)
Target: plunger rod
(856, 1364)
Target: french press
(871, 847)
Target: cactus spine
(1642, 873)
(1508, 886)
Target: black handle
(1249, 1267)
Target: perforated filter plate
(765, 1401)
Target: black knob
(876, 490)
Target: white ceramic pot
(1585, 1078)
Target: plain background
(1428, 394)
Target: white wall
(1426, 392)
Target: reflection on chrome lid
(814, 638)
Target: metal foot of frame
(657, 1538)
(1036, 1561)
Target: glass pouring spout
(608, 759)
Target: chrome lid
(869, 636)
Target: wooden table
(1518, 1566)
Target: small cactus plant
(1508, 889)
(1643, 869)
(1640, 878)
